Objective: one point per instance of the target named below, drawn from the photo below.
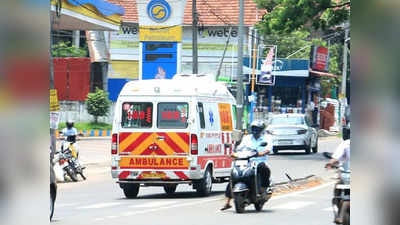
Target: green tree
(286, 16)
(66, 49)
(97, 104)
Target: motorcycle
(341, 195)
(67, 159)
(244, 180)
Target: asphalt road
(99, 200)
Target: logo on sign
(158, 10)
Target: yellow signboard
(153, 163)
(160, 33)
(226, 116)
(124, 69)
(54, 106)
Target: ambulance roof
(180, 85)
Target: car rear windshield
(172, 115)
(137, 115)
(287, 121)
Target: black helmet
(257, 127)
(70, 124)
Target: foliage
(65, 49)
(286, 16)
(88, 126)
(97, 103)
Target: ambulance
(172, 131)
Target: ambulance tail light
(114, 144)
(194, 144)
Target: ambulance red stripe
(135, 143)
(168, 140)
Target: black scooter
(244, 180)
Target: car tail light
(194, 145)
(301, 131)
(114, 144)
(343, 121)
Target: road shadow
(301, 156)
(249, 211)
(176, 195)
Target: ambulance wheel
(170, 189)
(205, 185)
(131, 190)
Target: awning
(86, 15)
(322, 74)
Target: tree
(286, 16)
(65, 49)
(97, 104)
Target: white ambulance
(170, 132)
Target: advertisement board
(320, 58)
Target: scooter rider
(71, 134)
(254, 140)
(341, 154)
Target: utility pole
(194, 37)
(239, 93)
(52, 130)
(344, 72)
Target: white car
(292, 132)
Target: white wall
(76, 110)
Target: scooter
(67, 159)
(341, 195)
(244, 180)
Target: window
(172, 115)
(201, 115)
(137, 115)
(287, 121)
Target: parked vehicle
(172, 131)
(245, 179)
(292, 131)
(68, 161)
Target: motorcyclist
(254, 141)
(70, 133)
(341, 155)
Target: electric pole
(239, 93)
(194, 37)
(344, 73)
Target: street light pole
(344, 72)
(239, 93)
(194, 37)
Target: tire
(308, 149)
(239, 203)
(259, 205)
(170, 189)
(345, 209)
(71, 173)
(205, 185)
(131, 190)
(315, 149)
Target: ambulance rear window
(172, 115)
(137, 115)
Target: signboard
(123, 69)
(266, 76)
(124, 44)
(160, 33)
(54, 105)
(225, 117)
(320, 58)
(54, 119)
(160, 12)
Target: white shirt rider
(342, 154)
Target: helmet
(70, 124)
(257, 127)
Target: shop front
(289, 92)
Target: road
(99, 200)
